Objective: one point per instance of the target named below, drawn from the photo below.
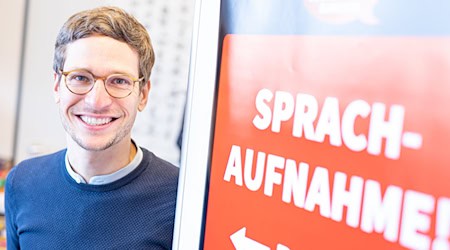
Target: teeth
(95, 121)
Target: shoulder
(159, 169)
(159, 164)
(36, 168)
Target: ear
(144, 96)
(56, 87)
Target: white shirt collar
(107, 178)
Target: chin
(90, 144)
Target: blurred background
(30, 125)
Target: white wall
(40, 130)
(11, 22)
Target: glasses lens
(119, 85)
(79, 82)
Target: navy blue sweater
(47, 209)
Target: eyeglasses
(81, 82)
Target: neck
(93, 163)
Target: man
(103, 191)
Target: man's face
(95, 121)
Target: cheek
(68, 100)
(63, 107)
(131, 108)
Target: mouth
(96, 121)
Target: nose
(98, 98)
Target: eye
(80, 77)
(123, 81)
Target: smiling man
(103, 191)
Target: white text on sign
(403, 216)
(304, 111)
(413, 219)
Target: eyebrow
(111, 73)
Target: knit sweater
(47, 209)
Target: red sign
(331, 143)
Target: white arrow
(282, 247)
(241, 242)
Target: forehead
(102, 55)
